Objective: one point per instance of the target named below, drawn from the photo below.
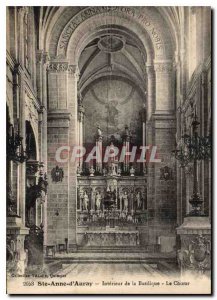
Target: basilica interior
(108, 78)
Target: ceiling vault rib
(89, 60)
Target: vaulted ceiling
(113, 53)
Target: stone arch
(79, 41)
(68, 38)
(30, 130)
(152, 30)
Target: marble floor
(109, 269)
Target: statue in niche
(85, 201)
(129, 218)
(125, 201)
(113, 169)
(98, 200)
(99, 132)
(138, 200)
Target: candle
(12, 131)
(18, 127)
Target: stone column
(144, 136)
(16, 167)
(165, 202)
(16, 230)
(162, 129)
(44, 110)
(21, 122)
(80, 130)
(73, 76)
(99, 154)
(150, 91)
(58, 135)
(126, 145)
(22, 167)
(164, 87)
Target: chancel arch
(107, 72)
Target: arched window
(30, 142)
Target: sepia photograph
(109, 150)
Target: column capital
(39, 56)
(163, 66)
(42, 57)
(63, 66)
(22, 10)
(150, 69)
(57, 66)
(74, 71)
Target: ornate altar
(111, 199)
(112, 238)
(126, 194)
(110, 209)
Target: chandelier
(194, 148)
(15, 150)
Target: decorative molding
(22, 10)
(42, 57)
(59, 115)
(58, 119)
(88, 12)
(39, 56)
(166, 173)
(73, 70)
(57, 174)
(58, 67)
(163, 67)
(150, 70)
(195, 253)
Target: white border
(212, 3)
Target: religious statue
(78, 171)
(98, 201)
(85, 201)
(132, 171)
(129, 218)
(104, 171)
(99, 132)
(126, 135)
(119, 171)
(127, 132)
(112, 152)
(138, 200)
(125, 200)
(113, 169)
(92, 171)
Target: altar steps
(118, 249)
(123, 256)
(113, 257)
(147, 269)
